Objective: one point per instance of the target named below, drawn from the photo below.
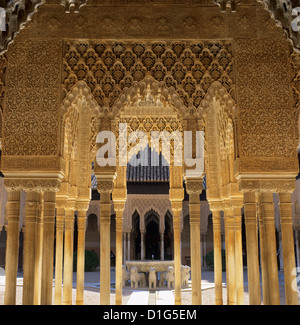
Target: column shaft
(68, 257)
(12, 246)
(81, 222)
(119, 208)
(250, 213)
(177, 255)
(291, 297)
(263, 253)
(217, 257)
(162, 246)
(267, 211)
(30, 215)
(142, 245)
(194, 207)
(230, 248)
(105, 211)
(38, 266)
(128, 246)
(48, 247)
(60, 216)
(239, 271)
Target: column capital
(217, 205)
(82, 204)
(193, 185)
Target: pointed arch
(79, 117)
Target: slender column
(48, 247)
(162, 249)
(30, 214)
(267, 211)
(263, 253)
(194, 209)
(177, 255)
(250, 212)
(119, 208)
(291, 297)
(128, 246)
(60, 216)
(230, 248)
(217, 257)
(105, 189)
(81, 222)
(124, 247)
(239, 272)
(68, 256)
(194, 189)
(12, 246)
(142, 245)
(38, 266)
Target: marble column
(176, 208)
(162, 248)
(105, 189)
(239, 271)
(263, 252)
(38, 263)
(216, 218)
(230, 251)
(291, 296)
(194, 188)
(31, 210)
(60, 219)
(124, 248)
(68, 255)
(128, 246)
(267, 211)
(142, 245)
(81, 226)
(48, 247)
(250, 213)
(119, 208)
(177, 256)
(12, 245)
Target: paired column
(81, 226)
(12, 245)
(194, 188)
(216, 218)
(286, 220)
(68, 253)
(250, 213)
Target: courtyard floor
(143, 296)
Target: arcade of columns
(60, 92)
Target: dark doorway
(136, 236)
(152, 240)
